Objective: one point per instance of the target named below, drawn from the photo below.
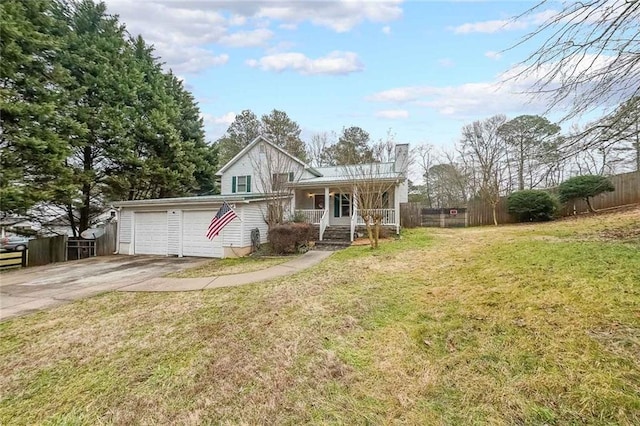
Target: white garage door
(151, 233)
(194, 235)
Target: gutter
(118, 232)
(183, 201)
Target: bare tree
(275, 172)
(370, 184)
(425, 158)
(484, 150)
(383, 150)
(319, 147)
(589, 59)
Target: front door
(342, 206)
(318, 202)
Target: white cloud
(446, 62)
(189, 59)
(491, 54)
(335, 63)
(508, 93)
(338, 15)
(217, 125)
(471, 99)
(225, 119)
(178, 28)
(386, 30)
(489, 27)
(257, 37)
(498, 25)
(392, 114)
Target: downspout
(118, 231)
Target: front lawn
(528, 324)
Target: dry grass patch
(229, 266)
(468, 326)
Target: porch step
(334, 233)
(326, 245)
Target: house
(262, 182)
(49, 220)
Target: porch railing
(311, 215)
(324, 222)
(388, 216)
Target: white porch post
(326, 201)
(292, 208)
(396, 201)
(355, 199)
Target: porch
(329, 206)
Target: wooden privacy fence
(627, 191)
(43, 251)
(413, 215)
(106, 243)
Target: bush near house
(290, 237)
(532, 205)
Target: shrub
(290, 237)
(532, 205)
(585, 187)
(298, 217)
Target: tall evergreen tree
(352, 148)
(34, 128)
(284, 132)
(245, 128)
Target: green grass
(534, 324)
(228, 266)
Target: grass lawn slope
(529, 324)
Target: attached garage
(150, 233)
(194, 240)
(178, 226)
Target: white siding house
(178, 226)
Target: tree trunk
(86, 189)
(369, 232)
(72, 220)
(495, 216)
(591, 209)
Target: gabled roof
(268, 142)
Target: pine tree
(35, 126)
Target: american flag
(220, 220)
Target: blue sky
(420, 68)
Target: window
(241, 184)
(278, 180)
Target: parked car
(14, 243)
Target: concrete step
(326, 245)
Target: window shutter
(336, 205)
(248, 183)
(290, 176)
(233, 184)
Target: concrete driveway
(28, 290)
